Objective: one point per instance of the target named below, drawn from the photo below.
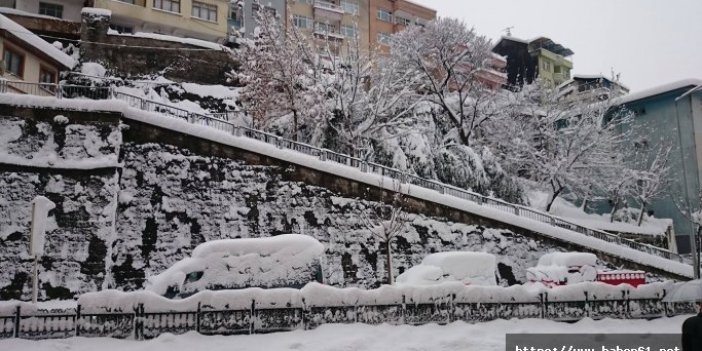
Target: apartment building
(200, 19)
(371, 21)
(391, 16)
(591, 88)
(540, 58)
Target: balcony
(333, 34)
(328, 10)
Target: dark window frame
(22, 59)
(51, 9)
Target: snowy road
(457, 336)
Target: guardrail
(143, 324)
(73, 91)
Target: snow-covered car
(562, 268)
(470, 268)
(288, 260)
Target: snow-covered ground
(488, 336)
(568, 211)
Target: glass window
(348, 31)
(384, 15)
(14, 62)
(403, 21)
(302, 21)
(167, 5)
(350, 7)
(53, 10)
(384, 38)
(47, 75)
(204, 11)
(121, 28)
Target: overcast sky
(649, 42)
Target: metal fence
(221, 122)
(141, 324)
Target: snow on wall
(116, 226)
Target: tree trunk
(614, 209)
(641, 214)
(388, 264)
(294, 125)
(552, 199)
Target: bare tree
(652, 178)
(281, 74)
(385, 223)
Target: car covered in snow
(470, 268)
(283, 261)
(564, 268)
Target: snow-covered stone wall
(128, 210)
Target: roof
(662, 89)
(589, 77)
(32, 40)
(550, 45)
(541, 42)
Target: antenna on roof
(508, 30)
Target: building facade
(591, 88)
(370, 22)
(540, 58)
(200, 19)
(671, 116)
(28, 58)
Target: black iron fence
(140, 324)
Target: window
(204, 11)
(384, 15)
(47, 76)
(350, 7)
(384, 38)
(349, 31)
(308, 2)
(167, 5)
(121, 29)
(14, 62)
(127, 1)
(302, 21)
(403, 21)
(324, 28)
(53, 10)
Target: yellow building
(28, 58)
(200, 19)
(371, 21)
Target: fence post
(3, 86)
(322, 155)
(139, 322)
(442, 189)
(587, 305)
(78, 320)
(18, 319)
(544, 301)
(143, 104)
(516, 210)
(197, 318)
(253, 314)
(59, 91)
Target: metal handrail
(369, 167)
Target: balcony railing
(326, 5)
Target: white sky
(649, 42)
